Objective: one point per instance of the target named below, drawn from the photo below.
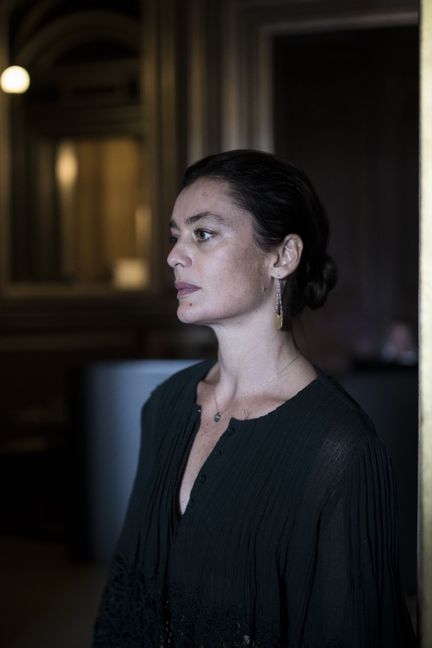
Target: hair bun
(322, 278)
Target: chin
(186, 315)
(191, 316)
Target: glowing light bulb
(15, 79)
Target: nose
(179, 255)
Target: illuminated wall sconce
(15, 79)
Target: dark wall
(346, 111)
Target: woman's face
(220, 273)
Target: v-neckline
(232, 423)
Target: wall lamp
(15, 79)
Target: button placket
(202, 478)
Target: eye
(172, 239)
(202, 235)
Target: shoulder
(336, 431)
(339, 415)
(186, 378)
(173, 399)
(181, 386)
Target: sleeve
(356, 599)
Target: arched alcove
(79, 213)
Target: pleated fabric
(289, 539)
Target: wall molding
(248, 31)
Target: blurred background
(122, 95)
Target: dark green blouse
(289, 538)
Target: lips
(184, 288)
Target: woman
(263, 511)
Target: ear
(287, 256)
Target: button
(203, 478)
(218, 451)
(230, 431)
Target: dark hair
(282, 201)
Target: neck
(247, 358)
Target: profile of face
(220, 273)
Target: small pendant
(217, 417)
(278, 321)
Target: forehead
(212, 196)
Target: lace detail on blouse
(133, 615)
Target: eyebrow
(197, 217)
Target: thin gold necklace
(219, 414)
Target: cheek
(246, 274)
